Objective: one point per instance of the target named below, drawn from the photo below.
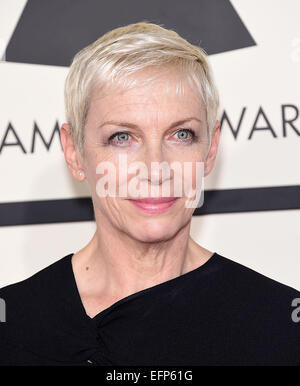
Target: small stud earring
(80, 173)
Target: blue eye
(121, 137)
(185, 134)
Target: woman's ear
(211, 156)
(72, 157)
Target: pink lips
(154, 204)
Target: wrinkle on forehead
(147, 88)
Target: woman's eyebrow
(134, 126)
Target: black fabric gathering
(221, 313)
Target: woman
(142, 292)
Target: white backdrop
(254, 83)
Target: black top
(221, 313)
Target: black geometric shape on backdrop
(215, 202)
(51, 31)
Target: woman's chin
(154, 231)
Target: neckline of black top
(168, 283)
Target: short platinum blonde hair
(124, 51)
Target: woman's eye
(123, 138)
(119, 138)
(185, 134)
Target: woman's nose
(157, 162)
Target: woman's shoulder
(38, 286)
(245, 276)
(256, 293)
(38, 310)
(232, 274)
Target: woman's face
(139, 125)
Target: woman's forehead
(161, 91)
(147, 97)
(147, 107)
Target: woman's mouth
(154, 204)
